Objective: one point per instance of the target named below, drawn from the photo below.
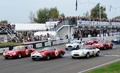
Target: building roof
(34, 26)
(29, 26)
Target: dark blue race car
(116, 40)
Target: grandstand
(77, 26)
(7, 32)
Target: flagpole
(76, 5)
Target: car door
(91, 51)
(52, 52)
(24, 51)
(56, 52)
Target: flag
(110, 8)
(76, 5)
(98, 5)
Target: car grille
(70, 46)
(35, 56)
(7, 55)
(76, 54)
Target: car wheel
(19, 55)
(73, 57)
(48, 57)
(105, 48)
(87, 55)
(77, 47)
(30, 53)
(61, 54)
(66, 49)
(33, 59)
(6, 57)
(98, 53)
(111, 46)
(69, 49)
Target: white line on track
(99, 66)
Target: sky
(18, 11)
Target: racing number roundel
(56, 52)
(26, 51)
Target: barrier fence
(40, 44)
(37, 44)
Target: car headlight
(4, 53)
(43, 54)
(101, 45)
(14, 53)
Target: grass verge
(8, 44)
(111, 68)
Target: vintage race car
(73, 45)
(47, 53)
(18, 52)
(91, 41)
(103, 44)
(85, 51)
(116, 40)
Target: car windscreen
(86, 47)
(48, 48)
(93, 39)
(75, 42)
(17, 48)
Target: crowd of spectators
(60, 19)
(32, 38)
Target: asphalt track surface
(58, 65)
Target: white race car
(73, 45)
(85, 51)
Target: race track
(59, 65)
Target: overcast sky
(18, 11)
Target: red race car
(47, 53)
(91, 41)
(103, 45)
(18, 52)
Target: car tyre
(77, 47)
(98, 53)
(73, 57)
(6, 58)
(48, 57)
(105, 48)
(66, 49)
(61, 55)
(111, 46)
(19, 55)
(87, 55)
(33, 59)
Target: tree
(42, 16)
(118, 17)
(4, 21)
(45, 14)
(54, 13)
(98, 12)
(62, 15)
